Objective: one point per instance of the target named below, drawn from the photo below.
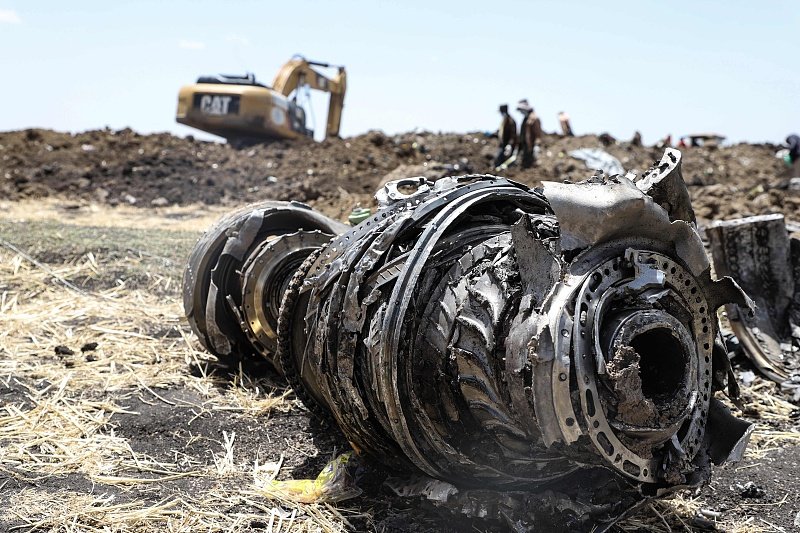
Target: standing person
(793, 143)
(637, 138)
(606, 139)
(507, 133)
(530, 133)
(566, 127)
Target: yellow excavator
(244, 111)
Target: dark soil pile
(161, 169)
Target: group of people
(524, 145)
(527, 141)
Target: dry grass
(763, 397)
(65, 511)
(179, 218)
(59, 435)
(38, 316)
(62, 422)
(141, 342)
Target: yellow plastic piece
(334, 483)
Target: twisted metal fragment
(761, 256)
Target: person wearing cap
(566, 127)
(507, 134)
(530, 133)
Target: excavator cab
(244, 111)
(297, 116)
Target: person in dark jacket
(793, 143)
(507, 134)
(530, 134)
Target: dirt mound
(161, 169)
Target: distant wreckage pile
(543, 356)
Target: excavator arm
(298, 72)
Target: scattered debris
(709, 140)
(747, 377)
(703, 524)
(431, 489)
(142, 323)
(178, 169)
(709, 513)
(597, 159)
(751, 490)
(358, 215)
(336, 482)
(63, 350)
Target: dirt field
(110, 417)
(122, 167)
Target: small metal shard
(664, 183)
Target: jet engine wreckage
(550, 356)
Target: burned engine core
(492, 336)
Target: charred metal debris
(759, 253)
(548, 356)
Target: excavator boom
(298, 72)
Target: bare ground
(123, 167)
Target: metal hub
(634, 442)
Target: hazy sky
(667, 67)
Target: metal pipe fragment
(549, 353)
